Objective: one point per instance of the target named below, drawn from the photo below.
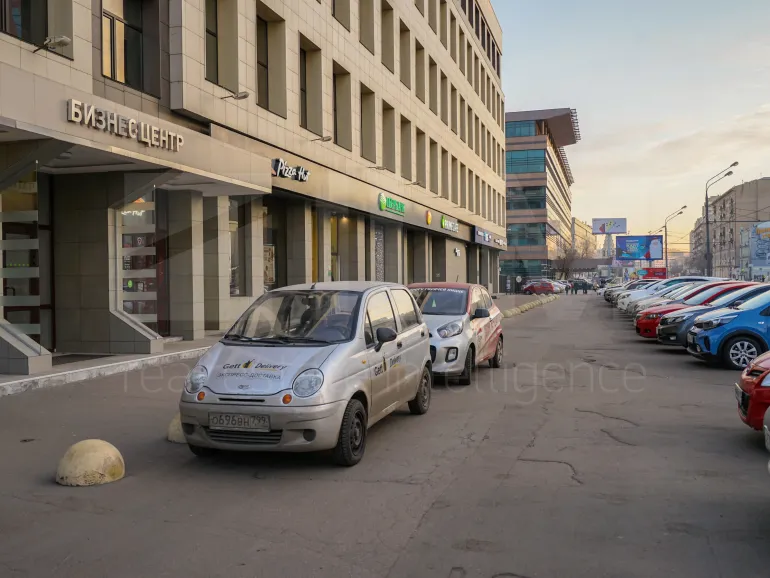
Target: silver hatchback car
(310, 367)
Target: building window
(212, 46)
(525, 198)
(122, 41)
(532, 161)
(237, 248)
(520, 128)
(526, 234)
(303, 88)
(25, 19)
(263, 92)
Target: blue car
(733, 335)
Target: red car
(538, 288)
(647, 321)
(753, 393)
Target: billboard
(609, 226)
(642, 247)
(759, 245)
(652, 273)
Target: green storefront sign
(391, 205)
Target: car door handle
(399, 345)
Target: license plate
(690, 338)
(239, 421)
(738, 393)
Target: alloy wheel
(742, 353)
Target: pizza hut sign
(281, 169)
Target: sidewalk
(93, 367)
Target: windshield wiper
(287, 339)
(236, 337)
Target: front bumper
(675, 334)
(441, 349)
(647, 327)
(292, 429)
(753, 401)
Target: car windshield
(676, 291)
(707, 294)
(298, 316)
(441, 300)
(725, 300)
(756, 302)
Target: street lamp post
(665, 231)
(709, 183)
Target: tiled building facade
(164, 162)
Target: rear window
(441, 300)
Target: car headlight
(678, 318)
(652, 316)
(196, 379)
(450, 329)
(307, 383)
(712, 323)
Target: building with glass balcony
(539, 223)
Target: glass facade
(518, 128)
(526, 268)
(526, 234)
(531, 161)
(523, 198)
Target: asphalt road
(592, 454)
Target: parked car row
(313, 367)
(717, 320)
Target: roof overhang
(562, 123)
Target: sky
(668, 93)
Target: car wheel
(527, 292)
(202, 452)
(740, 351)
(497, 359)
(470, 364)
(421, 402)
(351, 443)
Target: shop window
(212, 42)
(274, 243)
(26, 20)
(122, 42)
(137, 223)
(237, 248)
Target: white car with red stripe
(465, 327)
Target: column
(421, 256)
(394, 238)
(185, 264)
(484, 273)
(369, 249)
(299, 244)
(216, 262)
(473, 263)
(255, 249)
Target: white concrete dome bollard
(175, 434)
(90, 463)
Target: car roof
(356, 286)
(444, 284)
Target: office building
(538, 196)
(583, 242)
(164, 162)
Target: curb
(527, 306)
(31, 382)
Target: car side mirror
(481, 313)
(384, 335)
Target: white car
(659, 299)
(628, 297)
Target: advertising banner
(642, 247)
(609, 226)
(759, 245)
(652, 273)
